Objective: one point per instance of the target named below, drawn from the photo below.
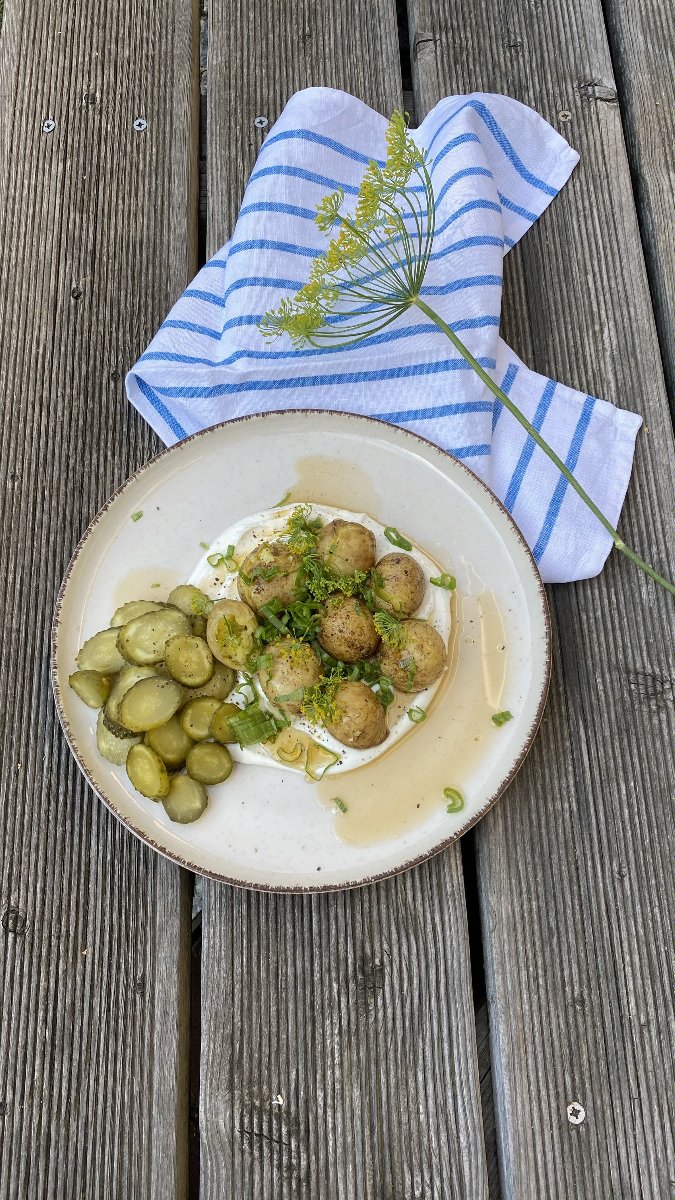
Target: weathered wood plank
(96, 228)
(355, 1008)
(573, 862)
(642, 41)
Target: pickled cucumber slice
(92, 687)
(220, 724)
(117, 730)
(170, 741)
(187, 800)
(198, 626)
(190, 600)
(112, 748)
(230, 628)
(125, 680)
(132, 609)
(219, 685)
(144, 639)
(197, 716)
(208, 762)
(101, 653)
(150, 703)
(189, 660)
(147, 772)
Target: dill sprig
(372, 272)
(390, 630)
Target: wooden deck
(149, 1025)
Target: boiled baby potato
(143, 640)
(208, 762)
(419, 661)
(170, 741)
(229, 632)
(294, 667)
(189, 660)
(113, 748)
(147, 772)
(197, 716)
(92, 687)
(270, 572)
(186, 801)
(150, 703)
(221, 729)
(359, 718)
(133, 608)
(346, 546)
(399, 584)
(347, 630)
(190, 600)
(101, 653)
(218, 686)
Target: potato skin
(360, 720)
(346, 547)
(347, 630)
(283, 586)
(399, 584)
(421, 660)
(295, 665)
(229, 632)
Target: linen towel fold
(495, 166)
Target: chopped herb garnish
(155, 585)
(390, 630)
(272, 618)
(136, 516)
(253, 725)
(303, 529)
(397, 539)
(216, 560)
(501, 718)
(280, 503)
(417, 715)
(291, 697)
(385, 691)
(455, 798)
(204, 545)
(339, 804)
(260, 573)
(318, 704)
(444, 581)
(229, 553)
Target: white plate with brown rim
(272, 829)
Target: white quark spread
(219, 584)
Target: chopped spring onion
(280, 503)
(298, 694)
(397, 539)
(204, 545)
(229, 553)
(216, 560)
(272, 618)
(444, 581)
(155, 585)
(292, 753)
(340, 804)
(417, 715)
(319, 760)
(253, 725)
(501, 718)
(455, 798)
(137, 515)
(385, 690)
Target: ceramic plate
(267, 828)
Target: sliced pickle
(117, 730)
(208, 762)
(319, 760)
(189, 660)
(186, 801)
(198, 626)
(220, 725)
(125, 680)
(170, 741)
(147, 772)
(149, 703)
(132, 609)
(229, 632)
(144, 639)
(112, 748)
(101, 653)
(219, 685)
(92, 687)
(197, 716)
(190, 600)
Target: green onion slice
(204, 545)
(216, 560)
(272, 618)
(444, 581)
(455, 799)
(253, 725)
(298, 694)
(280, 503)
(397, 539)
(137, 515)
(417, 715)
(501, 718)
(319, 760)
(340, 804)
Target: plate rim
(309, 889)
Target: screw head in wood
(565, 114)
(48, 126)
(576, 1113)
(140, 124)
(261, 122)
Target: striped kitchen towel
(495, 166)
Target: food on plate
(294, 645)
